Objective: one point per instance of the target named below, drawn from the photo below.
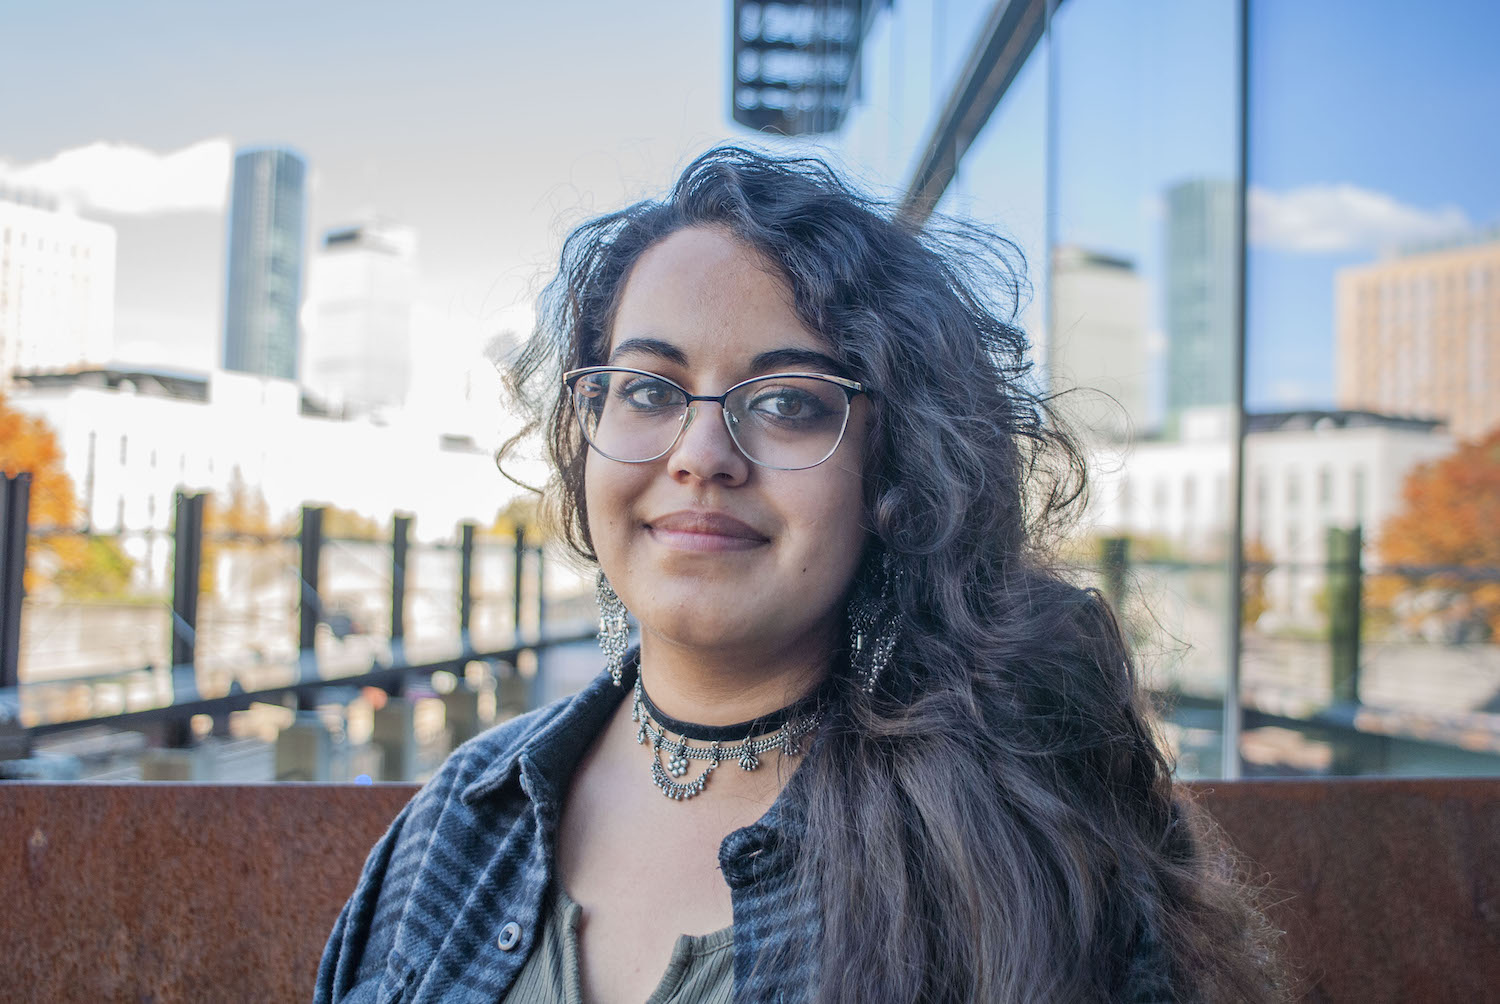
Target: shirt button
(510, 935)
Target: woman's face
(707, 549)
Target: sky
(492, 128)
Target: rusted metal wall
(1389, 889)
(166, 892)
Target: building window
(1325, 487)
(1358, 491)
(1293, 488)
(123, 452)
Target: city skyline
(492, 183)
(410, 119)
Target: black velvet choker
(733, 733)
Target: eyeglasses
(784, 421)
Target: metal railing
(1385, 667)
(166, 697)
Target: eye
(649, 393)
(787, 403)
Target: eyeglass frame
(851, 389)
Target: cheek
(603, 506)
(832, 526)
(609, 491)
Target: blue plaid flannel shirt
(451, 900)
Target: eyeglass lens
(779, 421)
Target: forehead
(710, 296)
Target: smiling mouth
(705, 531)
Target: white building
(1096, 352)
(132, 439)
(358, 343)
(1305, 472)
(57, 288)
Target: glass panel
(95, 621)
(1002, 179)
(1140, 339)
(1373, 597)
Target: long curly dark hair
(998, 822)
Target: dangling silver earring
(874, 623)
(613, 629)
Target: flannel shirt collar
(543, 761)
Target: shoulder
(485, 763)
(430, 857)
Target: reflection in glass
(1373, 356)
(1141, 335)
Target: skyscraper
(1419, 335)
(266, 220)
(1200, 252)
(360, 289)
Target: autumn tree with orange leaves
(1451, 519)
(78, 565)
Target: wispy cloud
(131, 180)
(1331, 218)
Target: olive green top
(701, 970)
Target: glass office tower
(267, 214)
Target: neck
(725, 686)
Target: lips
(705, 531)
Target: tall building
(1096, 354)
(57, 288)
(1419, 334)
(266, 221)
(1201, 244)
(360, 290)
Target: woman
(903, 759)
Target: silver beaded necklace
(784, 730)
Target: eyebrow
(775, 359)
(795, 359)
(651, 347)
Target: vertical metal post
(518, 578)
(187, 564)
(465, 578)
(309, 607)
(177, 733)
(541, 591)
(1233, 713)
(1114, 557)
(399, 537)
(1344, 588)
(15, 508)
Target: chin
(709, 622)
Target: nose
(705, 451)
